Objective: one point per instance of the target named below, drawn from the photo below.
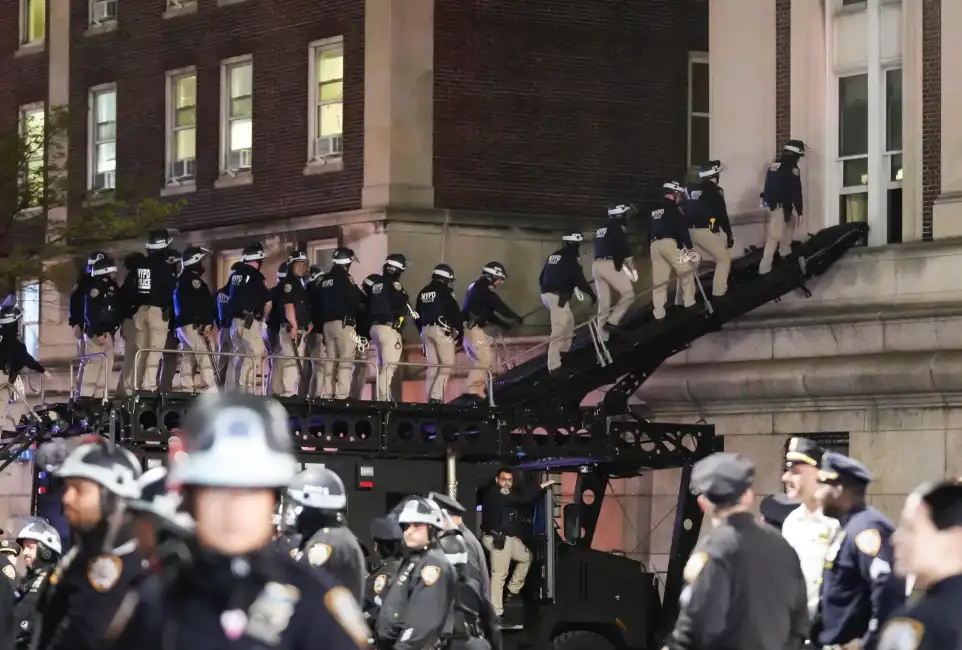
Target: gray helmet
(43, 533)
(319, 488)
(156, 501)
(114, 468)
(421, 511)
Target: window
(34, 155)
(29, 301)
(102, 163)
(699, 103)
(321, 253)
(33, 16)
(237, 120)
(892, 159)
(181, 126)
(102, 11)
(326, 132)
(853, 147)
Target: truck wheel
(581, 640)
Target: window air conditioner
(105, 181)
(184, 169)
(104, 10)
(328, 146)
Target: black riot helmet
(572, 239)
(622, 211)
(495, 272)
(159, 239)
(794, 148)
(173, 256)
(314, 273)
(395, 264)
(710, 170)
(93, 257)
(282, 271)
(103, 268)
(343, 257)
(318, 498)
(298, 264)
(193, 257)
(10, 314)
(443, 274)
(673, 190)
(253, 253)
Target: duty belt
(607, 257)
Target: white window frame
(318, 245)
(25, 41)
(226, 66)
(92, 142)
(31, 328)
(841, 160)
(172, 167)
(95, 7)
(314, 102)
(696, 58)
(888, 154)
(38, 156)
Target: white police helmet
(235, 440)
(43, 533)
(114, 468)
(421, 511)
(320, 488)
(154, 500)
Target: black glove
(731, 239)
(519, 320)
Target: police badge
(318, 554)
(379, 583)
(195, 283)
(103, 572)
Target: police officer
(441, 326)
(75, 312)
(286, 538)
(807, 528)
(195, 311)
(41, 551)
(7, 620)
(232, 588)
(783, 197)
(389, 309)
(455, 511)
(419, 606)
(388, 538)
(708, 219)
(13, 358)
(103, 314)
(273, 325)
(561, 278)
(170, 361)
(248, 305)
(311, 381)
(364, 352)
(481, 307)
(928, 544)
(224, 344)
(338, 299)
(744, 586)
(322, 500)
(295, 323)
(85, 591)
(157, 514)
(670, 249)
(859, 592)
(774, 509)
(10, 550)
(148, 290)
(614, 269)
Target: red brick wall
(931, 110)
(561, 107)
(277, 34)
(23, 80)
(783, 73)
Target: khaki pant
(170, 364)
(340, 347)
(780, 235)
(478, 348)
(438, 349)
(285, 373)
(715, 244)
(12, 406)
(665, 256)
(362, 370)
(312, 375)
(81, 351)
(387, 342)
(96, 371)
(146, 329)
(248, 341)
(514, 551)
(224, 361)
(197, 349)
(562, 327)
(608, 280)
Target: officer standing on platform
(273, 324)
(707, 220)
(248, 305)
(103, 313)
(783, 197)
(195, 310)
(338, 299)
(170, 361)
(745, 587)
(148, 290)
(439, 320)
(389, 309)
(670, 249)
(295, 323)
(928, 544)
(388, 538)
(13, 358)
(363, 352)
(311, 380)
(859, 592)
(482, 304)
(614, 269)
(561, 278)
(223, 328)
(75, 310)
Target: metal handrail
(209, 353)
(353, 361)
(106, 373)
(29, 384)
(489, 376)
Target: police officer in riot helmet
(614, 269)
(103, 315)
(148, 291)
(441, 326)
(195, 311)
(286, 538)
(670, 249)
(389, 309)
(170, 361)
(157, 514)
(308, 385)
(384, 565)
(75, 308)
(274, 322)
(223, 328)
(233, 588)
(294, 319)
(708, 223)
(783, 197)
(14, 357)
(561, 279)
(320, 501)
(338, 299)
(482, 306)
(419, 606)
(248, 305)
(364, 348)
(41, 551)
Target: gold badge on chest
(271, 613)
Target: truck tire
(581, 640)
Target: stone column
(947, 212)
(911, 120)
(398, 104)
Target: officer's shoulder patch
(10, 572)
(195, 283)
(869, 541)
(694, 566)
(379, 583)
(397, 285)
(287, 287)
(104, 571)
(796, 172)
(902, 634)
(318, 554)
(430, 574)
(345, 610)
(94, 292)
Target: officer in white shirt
(808, 530)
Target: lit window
(181, 126)
(102, 11)
(102, 163)
(853, 147)
(33, 140)
(326, 132)
(893, 153)
(29, 301)
(237, 110)
(699, 109)
(34, 18)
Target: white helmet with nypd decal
(443, 272)
(43, 533)
(114, 468)
(418, 510)
(318, 488)
(622, 210)
(235, 440)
